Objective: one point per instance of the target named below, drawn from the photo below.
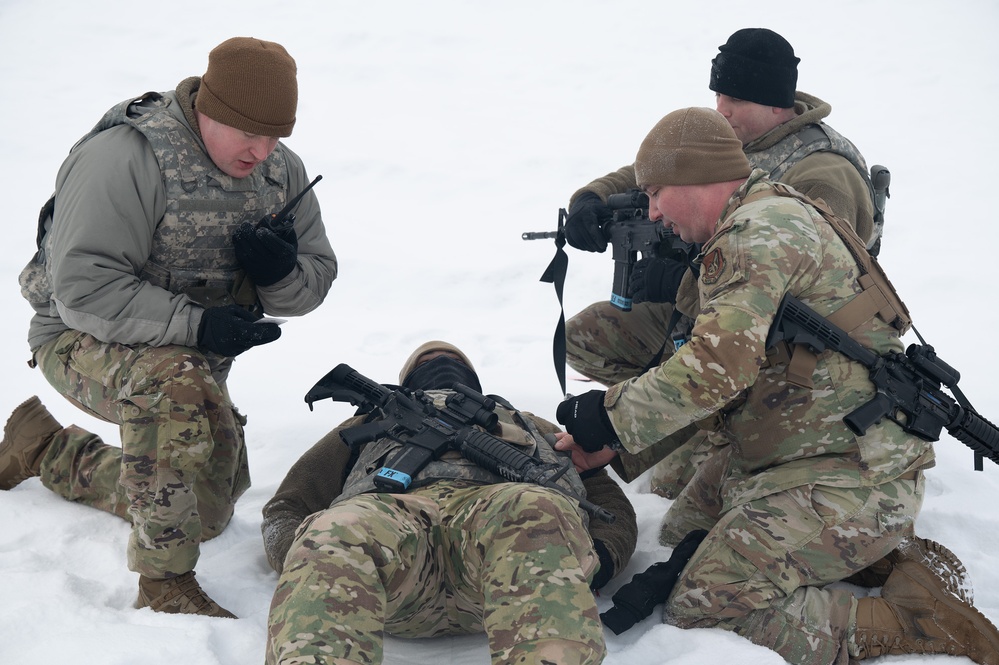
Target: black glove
(268, 257)
(655, 279)
(230, 330)
(635, 601)
(606, 570)
(583, 225)
(585, 418)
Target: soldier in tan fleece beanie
(689, 165)
(691, 146)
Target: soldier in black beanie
(756, 65)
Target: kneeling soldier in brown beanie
(794, 500)
(152, 267)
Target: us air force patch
(712, 266)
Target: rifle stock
(907, 386)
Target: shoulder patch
(712, 266)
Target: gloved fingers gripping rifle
(428, 431)
(585, 221)
(631, 233)
(907, 385)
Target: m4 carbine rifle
(907, 385)
(427, 432)
(630, 232)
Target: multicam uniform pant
(510, 559)
(182, 462)
(762, 571)
(608, 345)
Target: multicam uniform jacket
(783, 435)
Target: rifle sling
(555, 275)
(877, 298)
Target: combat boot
(178, 595)
(916, 615)
(931, 554)
(26, 437)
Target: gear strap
(878, 296)
(555, 275)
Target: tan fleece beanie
(692, 146)
(427, 347)
(250, 85)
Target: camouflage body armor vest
(191, 249)
(779, 158)
(514, 428)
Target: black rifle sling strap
(878, 297)
(555, 274)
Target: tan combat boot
(917, 615)
(940, 560)
(178, 595)
(26, 436)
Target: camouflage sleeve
(832, 178)
(311, 484)
(618, 182)
(746, 269)
(615, 542)
(631, 465)
(305, 288)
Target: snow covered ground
(444, 129)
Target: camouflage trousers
(764, 567)
(182, 461)
(510, 559)
(610, 346)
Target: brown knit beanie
(692, 146)
(250, 85)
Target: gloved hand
(606, 570)
(268, 257)
(636, 600)
(583, 224)
(655, 279)
(230, 330)
(585, 418)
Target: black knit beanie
(756, 65)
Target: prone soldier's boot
(940, 560)
(26, 437)
(178, 595)
(917, 615)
